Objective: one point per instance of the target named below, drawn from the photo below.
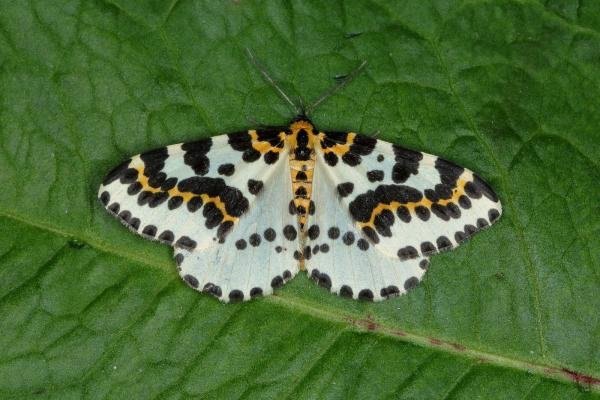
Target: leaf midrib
(352, 321)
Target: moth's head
(301, 117)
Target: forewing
(205, 198)
(405, 204)
(339, 258)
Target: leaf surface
(510, 89)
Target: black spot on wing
(460, 236)
(344, 189)
(130, 175)
(404, 214)
(422, 212)
(114, 208)
(363, 145)
(250, 155)
(271, 157)
(105, 198)
(464, 202)
(155, 180)
(493, 214)
(157, 199)
(270, 234)
(371, 234)
(166, 236)
(191, 280)
(134, 188)
(331, 159)
(363, 205)
(324, 281)
(212, 289)
(116, 172)
(194, 204)
(168, 184)
(333, 232)
(242, 141)
(362, 244)
(235, 202)
(411, 283)
(428, 248)
(154, 161)
(254, 186)
(390, 291)
(134, 223)
(407, 253)
(482, 223)
(331, 139)
(186, 242)
(124, 215)
(313, 232)
(149, 230)
(226, 169)
(223, 230)
(195, 155)
(174, 202)
(289, 232)
(443, 243)
(213, 215)
(277, 282)
(383, 222)
(484, 188)
(254, 240)
(407, 163)
(179, 259)
(348, 238)
(346, 291)
(235, 296)
(449, 172)
(351, 159)
(375, 175)
(365, 295)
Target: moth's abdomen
(302, 163)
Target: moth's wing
(402, 206)
(257, 255)
(339, 258)
(221, 202)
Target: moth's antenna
(333, 89)
(271, 81)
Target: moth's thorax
(301, 141)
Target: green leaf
(510, 89)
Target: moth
(246, 211)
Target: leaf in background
(509, 89)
